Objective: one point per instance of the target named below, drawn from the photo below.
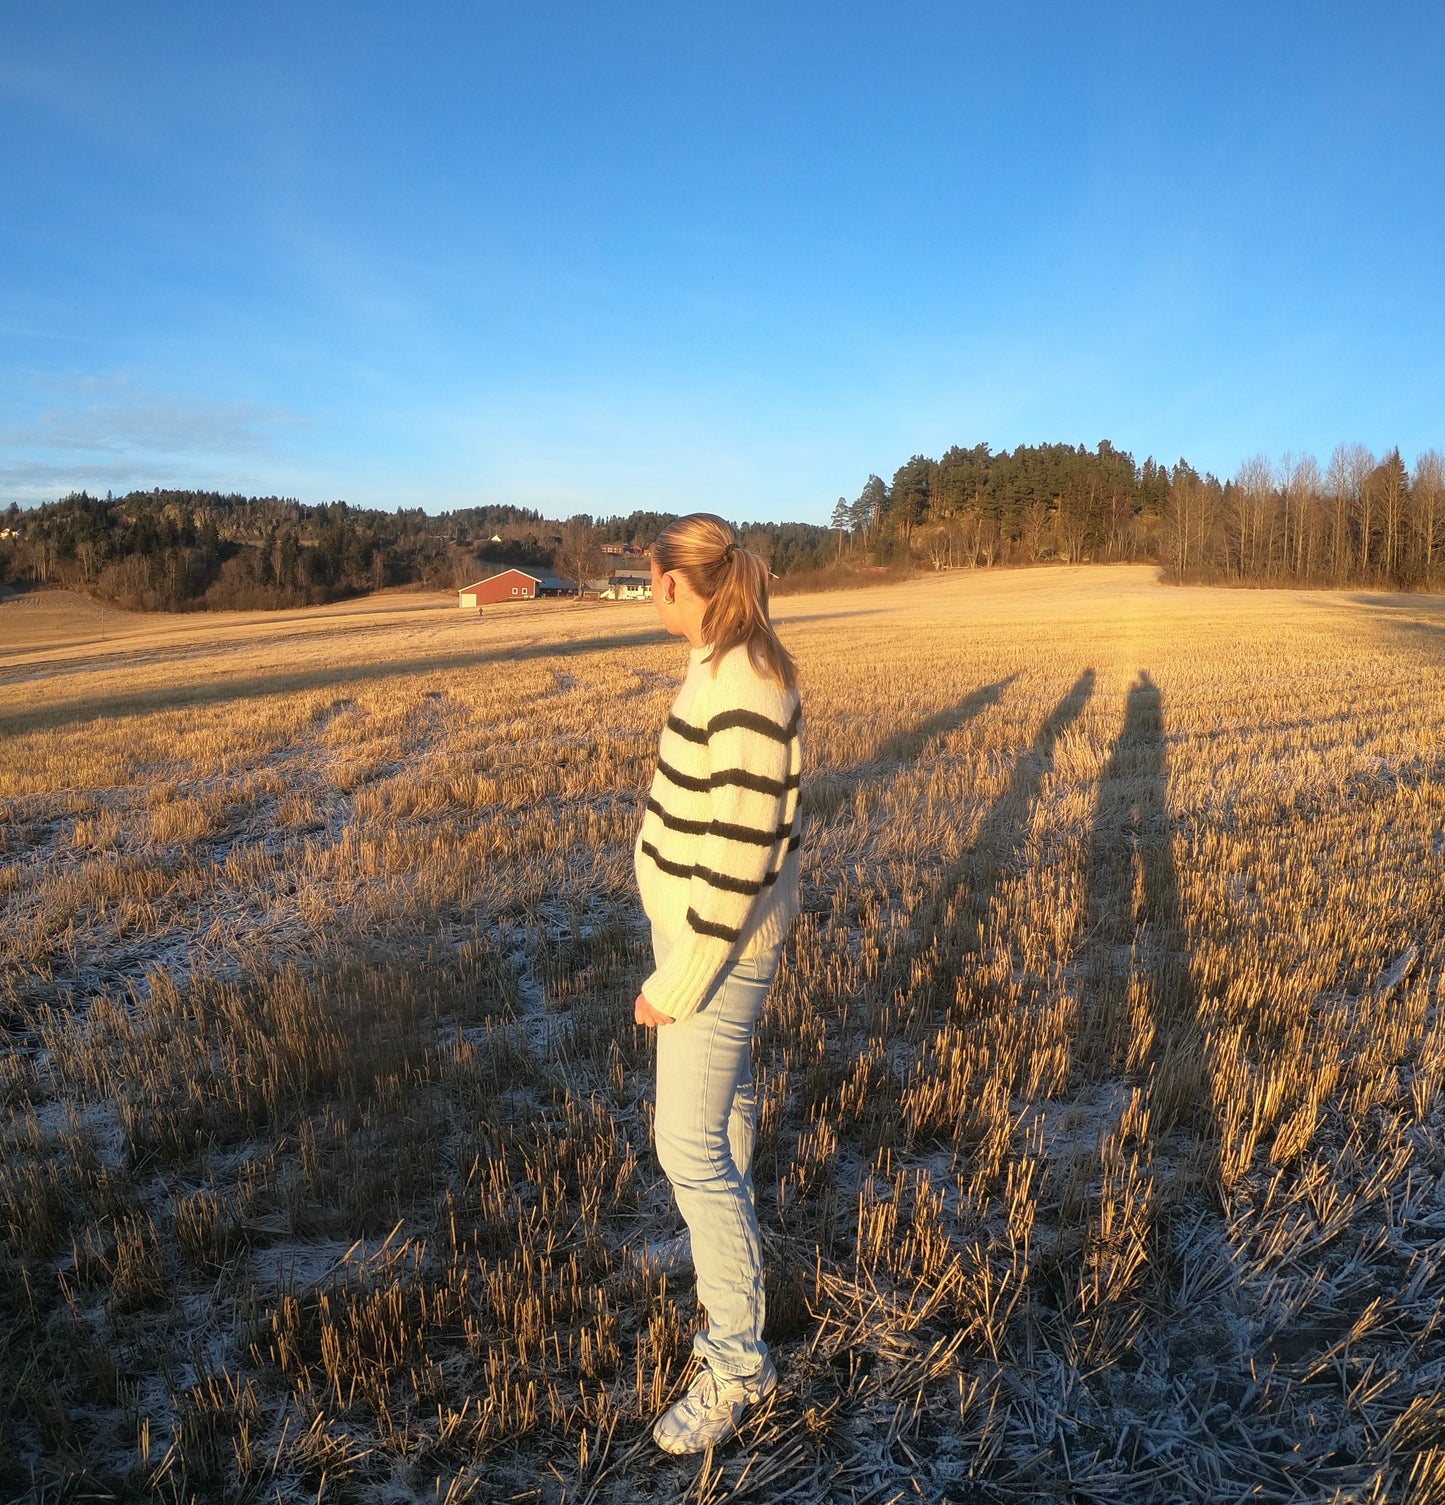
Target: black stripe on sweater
(730, 885)
(750, 834)
(682, 780)
(686, 730)
(677, 822)
(676, 869)
(764, 726)
(757, 782)
(753, 721)
(706, 927)
(723, 881)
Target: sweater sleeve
(752, 788)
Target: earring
(667, 600)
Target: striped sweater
(717, 854)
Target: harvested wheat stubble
(1102, 1141)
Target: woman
(717, 866)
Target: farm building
(512, 585)
(505, 585)
(629, 585)
(555, 585)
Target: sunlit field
(1102, 1152)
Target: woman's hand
(644, 1013)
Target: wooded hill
(193, 550)
(181, 550)
(1362, 519)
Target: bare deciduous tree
(969, 538)
(1189, 520)
(579, 556)
(1428, 495)
(1299, 488)
(990, 540)
(1252, 514)
(1390, 486)
(1358, 463)
(1035, 534)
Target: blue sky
(592, 258)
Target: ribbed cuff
(678, 987)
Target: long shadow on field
(251, 687)
(1002, 830)
(1429, 636)
(1141, 1008)
(907, 747)
(1394, 601)
(824, 794)
(778, 606)
(948, 924)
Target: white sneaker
(709, 1413)
(672, 1256)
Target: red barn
(508, 585)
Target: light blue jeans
(705, 1126)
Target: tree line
(1361, 518)
(166, 550)
(169, 550)
(977, 508)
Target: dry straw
(1102, 1132)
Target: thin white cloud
(118, 382)
(152, 424)
(84, 93)
(31, 83)
(47, 477)
(35, 482)
(30, 484)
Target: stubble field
(1102, 1151)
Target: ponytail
(734, 583)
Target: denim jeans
(705, 1125)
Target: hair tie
(727, 554)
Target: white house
(628, 585)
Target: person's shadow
(827, 794)
(949, 921)
(1140, 1006)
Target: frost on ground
(1102, 1150)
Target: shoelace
(703, 1395)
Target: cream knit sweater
(717, 855)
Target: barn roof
(511, 569)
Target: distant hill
(1363, 519)
(202, 550)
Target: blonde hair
(733, 581)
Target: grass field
(1103, 1140)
